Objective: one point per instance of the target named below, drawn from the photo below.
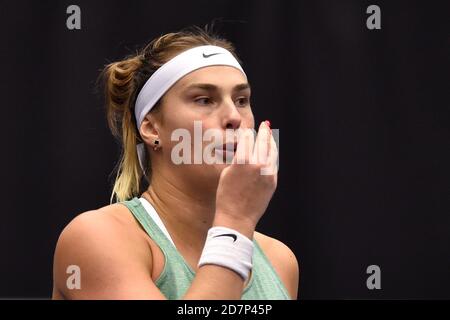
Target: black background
(364, 132)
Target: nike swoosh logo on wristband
(227, 235)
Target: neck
(186, 212)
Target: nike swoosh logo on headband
(210, 55)
(227, 235)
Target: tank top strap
(149, 225)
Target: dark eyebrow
(211, 87)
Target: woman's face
(218, 97)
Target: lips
(226, 151)
(230, 147)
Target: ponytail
(120, 89)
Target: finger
(262, 144)
(244, 149)
(272, 162)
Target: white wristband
(228, 248)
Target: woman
(191, 233)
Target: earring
(156, 145)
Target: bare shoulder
(99, 243)
(109, 226)
(283, 260)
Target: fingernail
(268, 123)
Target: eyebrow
(211, 87)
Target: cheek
(183, 116)
(248, 120)
(174, 121)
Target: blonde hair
(123, 80)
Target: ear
(149, 129)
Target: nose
(231, 117)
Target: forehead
(221, 76)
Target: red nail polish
(268, 123)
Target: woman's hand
(247, 185)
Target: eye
(243, 101)
(203, 101)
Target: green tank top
(177, 275)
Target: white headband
(172, 71)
